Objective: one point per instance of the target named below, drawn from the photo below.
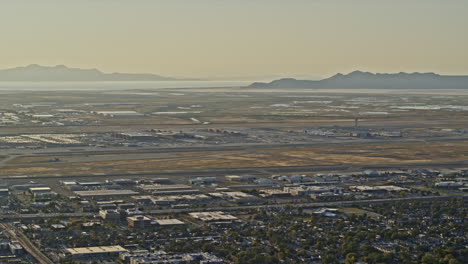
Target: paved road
(239, 208)
(29, 246)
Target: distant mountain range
(60, 73)
(367, 80)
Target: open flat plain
(276, 128)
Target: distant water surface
(207, 86)
(84, 86)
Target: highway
(29, 246)
(308, 205)
(10, 217)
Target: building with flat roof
(168, 222)
(120, 113)
(4, 192)
(35, 190)
(138, 221)
(42, 193)
(94, 253)
(105, 193)
(110, 215)
(15, 248)
(213, 217)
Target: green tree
(428, 259)
(351, 258)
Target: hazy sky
(227, 38)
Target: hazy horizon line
(273, 76)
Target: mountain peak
(32, 66)
(360, 73)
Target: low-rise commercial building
(168, 222)
(110, 215)
(213, 217)
(138, 221)
(94, 253)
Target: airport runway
(267, 171)
(253, 146)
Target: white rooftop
(95, 250)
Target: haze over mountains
(367, 80)
(38, 73)
(353, 80)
